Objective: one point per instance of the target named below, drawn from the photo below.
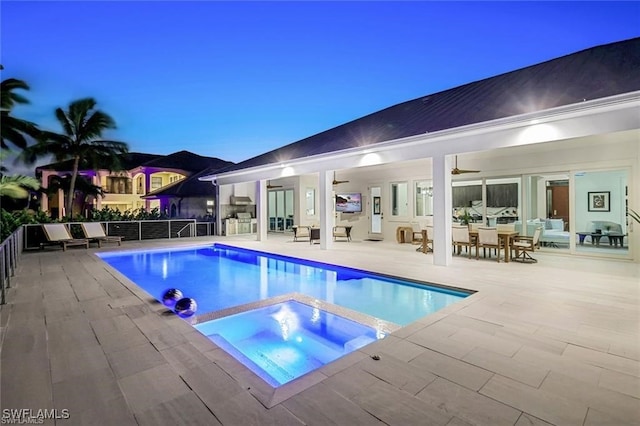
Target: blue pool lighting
(220, 277)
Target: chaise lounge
(57, 233)
(95, 233)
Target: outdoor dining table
(505, 236)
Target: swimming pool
(221, 277)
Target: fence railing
(32, 236)
(10, 251)
(129, 230)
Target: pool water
(220, 277)
(286, 340)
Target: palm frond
(96, 124)
(17, 186)
(634, 215)
(65, 121)
(10, 135)
(8, 98)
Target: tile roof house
(143, 174)
(567, 116)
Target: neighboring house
(142, 174)
(557, 140)
(187, 198)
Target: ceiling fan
(269, 186)
(457, 171)
(338, 182)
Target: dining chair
(417, 232)
(506, 227)
(427, 239)
(460, 238)
(488, 239)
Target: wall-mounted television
(349, 202)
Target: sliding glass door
(601, 200)
(280, 208)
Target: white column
(61, 208)
(44, 198)
(442, 210)
(97, 181)
(326, 209)
(147, 189)
(261, 210)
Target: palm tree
(80, 141)
(13, 129)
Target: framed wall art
(599, 201)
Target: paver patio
(557, 342)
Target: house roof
(183, 160)
(129, 161)
(593, 73)
(186, 160)
(188, 187)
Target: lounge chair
(95, 233)
(57, 233)
(300, 231)
(342, 232)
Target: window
(140, 184)
(156, 182)
(119, 185)
(311, 201)
(399, 199)
(424, 199)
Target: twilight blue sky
(236, 79)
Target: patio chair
(416, 236)
(427, 239)
(488, 239)
(57, 233)
(301, 231)
(523, 245)
(342, 232)
(95, 233)
(460, 238)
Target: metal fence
(10, 251)
(34, 235)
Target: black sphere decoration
(186, 307)
(171, 296)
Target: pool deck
(557, 342)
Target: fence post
(169, 227)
